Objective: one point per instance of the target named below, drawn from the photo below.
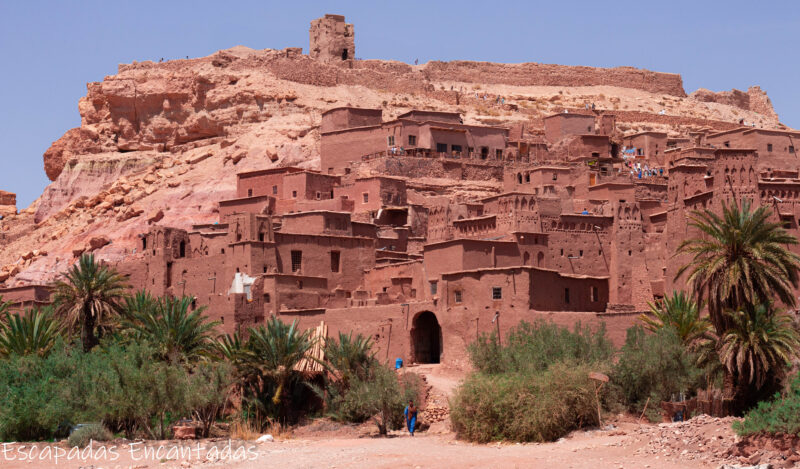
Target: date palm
(758, 343)
(348, 357)
(740, 259)
(680, 313)
(168, 324)
(87, 295)
(33, 332)
(275, 350)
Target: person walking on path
(411, 416)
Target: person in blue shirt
(411, 416)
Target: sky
(50, 50)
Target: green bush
(34, 404)
(655, 366)
(534, 347)
(88, 433)
(781, 415)
(118, 385)
(382, 397)
(525, 406)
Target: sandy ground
(619, 448)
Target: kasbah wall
(583, 228)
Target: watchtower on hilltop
(331, 39)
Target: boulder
(99, 241)
(155, 216)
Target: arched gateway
(426, 338)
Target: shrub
(34, 406)
(88, 433)
(525, 406)
(382, 397)
(534, 347)
(653, 365)
(781, 415)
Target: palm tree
(680, 313)
(759, 343)
(32, 333)
(168, 324)
(349, 357)
(275, 351)
(742, 259)
(87, 295)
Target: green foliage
(679, 313)
(33, 332)
(741, 259)
(88, 433)
(87, 296)
(781, 415)
(349, 357)
(175, 332)
(31, 386)
(759, 344)
(209, 387)
(118, 385)
(382, 396)
(655, 366)
(264, 367)
(275, 350)
(534, 347)
(525, 406)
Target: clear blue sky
(50, 50)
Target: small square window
(249, 192)
(769, 147)
(497, 293)
(294, 194)
(365, 197)
(791, 149)
(266, 298)
(457, 296)
(274, 190)
(412, 140)
(434, 287)
(441, 147)
(319, 195)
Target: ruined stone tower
(331, 39)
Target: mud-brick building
(349, 134)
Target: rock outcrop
(755, 100)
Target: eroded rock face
(755, 100)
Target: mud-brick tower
(331, 39)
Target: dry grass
(244, 430)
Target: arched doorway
(426, 338)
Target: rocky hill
(162, 142)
